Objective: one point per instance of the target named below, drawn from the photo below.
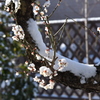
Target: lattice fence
(72, 45)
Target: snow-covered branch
(45, 61)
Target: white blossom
(31, 67)
(43, 17)
(38, 57)
(98, 29)
(47, 4)
(45, 9)
(36, 79)
(52, 82)
(41, 13)
(7, 9)
(46, 29)
(47, 51)
(45, 71)
(62, 62)
(50, 85)
(15, 38)
(36, 9)
(26, 62)
(42, 84)
(55, 73)
(46, 86)
(21, 36)
(50, 77)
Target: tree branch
(73, 74)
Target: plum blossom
(45, 71)
(36, 9)
(42, 83)
(44, 18)
(31, 67)
(15, 38)
(50, 85)
(38, 57)
(98, 29)
(7, 9)
(45, 10)
(47, 51)
(19, 33)
(26, 62)
(46, 29)
(55, 73)
(41, 13)
(62, 63)
(36, 79)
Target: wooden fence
(72, 45)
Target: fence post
(86, 36)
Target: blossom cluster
(62, 63)
(46, 72)
(42, 83)
(41, 12)
(17, 5)
(18, 32)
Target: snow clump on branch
(47, 3)
(76, 68)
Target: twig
(55, 8)
(61, 28)
(83, 26)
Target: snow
(78, 69)
(47, 3)
(63, 47)
(82, 81)
(36, 35)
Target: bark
(66, 78)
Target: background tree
(14, 83)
